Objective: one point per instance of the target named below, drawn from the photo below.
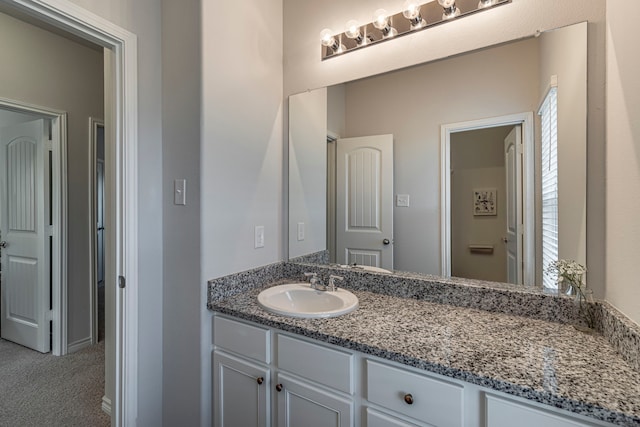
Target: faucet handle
(313, 277)
(332, 282)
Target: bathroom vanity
(403, 359)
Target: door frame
(526, 120)
(58, 119)
(121, 114)
(93, 228)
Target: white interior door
(24, 208)
(513, 238)
(364, 205)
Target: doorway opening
(479, 200)
(121, 132)
(97, 226)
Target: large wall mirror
(472, 166)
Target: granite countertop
(547, 362)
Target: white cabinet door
(303, 404)
(240, 392)
(507, 413)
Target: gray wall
(51, 71)
(181, 83)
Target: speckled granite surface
(523, 355)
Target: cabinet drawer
(240, 338)
(501, 413)
(323, 365)
(378, 419)
(433, 401)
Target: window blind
(549, 118)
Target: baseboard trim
(79, 345)
(106, 405)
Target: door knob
(3, 244)
(386, 242)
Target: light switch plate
(402, 200)
(180, 192)
(259, 236)
(300, 231)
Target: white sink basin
(299, 300)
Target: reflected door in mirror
(364, 201)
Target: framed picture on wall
(485, 201)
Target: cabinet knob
(279, 387)
(259, 380)
(408, 398)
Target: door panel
(513, 166)
(304, 404)
(239, 398)
(364, 206)
(25, 280)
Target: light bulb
(380, 19)
(326, 37)
(450, 9)
(486, 3)
(352, 29)
(411, 9)
(381, 22)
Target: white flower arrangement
(569, 275)
(570, 278)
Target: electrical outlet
(259, 236)
(402, 200)
(300, 231)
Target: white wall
(623, 157)
(563, 53)
(242, 145)
(412, 104)
(308, 172)
(51, 71)
(304, 19)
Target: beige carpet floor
(44, 390)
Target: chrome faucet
(314, 282)
(332, 282)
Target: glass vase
(586, 309)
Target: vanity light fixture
(416, 15)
